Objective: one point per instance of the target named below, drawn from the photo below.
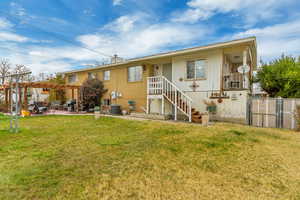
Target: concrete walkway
(128, 117)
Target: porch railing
(235, 81)
(155, 85)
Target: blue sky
(57, 35)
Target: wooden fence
(272, 112)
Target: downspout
(222, 77)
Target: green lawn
(68, 157)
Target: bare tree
(22, 69)
(5, 68)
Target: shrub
(280, 78)
(92, 92)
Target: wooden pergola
(25, 85)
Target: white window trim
(104, 77)
(195, 78)
(75, 79)
(141, 78)
(92, 74)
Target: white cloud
(17, 9)
(8, 36)
(117, 2)
(142, 39)
(88, 12)
(5, 24)
(251, 11)
(203, 9)
(59, 53)
(127, 36)
(47, 59)
(92, 40)
(122, 24)
(276, 39)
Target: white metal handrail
(160, 85)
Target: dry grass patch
(81, 158)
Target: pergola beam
(43, 85)
(7, 89)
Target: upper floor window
(106, 75)
(92, 75)
(196, 69)
(72, 78)
(135, 73)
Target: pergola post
(6, 96)
(23, 90)
(72, 93)
(9, 94)
(78, 98)
(25, 98)
(20, 98)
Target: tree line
(6, 68)
(280, 77)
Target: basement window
(196, 69)
(135, 73)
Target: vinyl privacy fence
(273, 112)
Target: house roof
(171, 53)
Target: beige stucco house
(178, 83)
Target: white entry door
(167, 71)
